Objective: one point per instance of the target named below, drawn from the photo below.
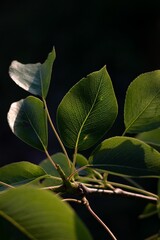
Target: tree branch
(116, 191)
(87, 205)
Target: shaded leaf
(60, 159)
(34, 78)
(28, 121)
(141, 110)
(87, 111)
(20, 173)
(46, 181)
(40, 215)
(81, 161)
(126, 156)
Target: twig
(71, 200)
(135, 189)
(116, 191)
(86, 203)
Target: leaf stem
(56, 133)
(50, 159)
(6, 184)
(72, 200)
(135, 184)
(74, 157)
(86, 203)
(123, 134)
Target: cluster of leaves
(84, 116)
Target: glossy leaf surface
(34, 78)
(127, 156)
(141, 111)
(87, 111)
(28, 121)
(39, 214)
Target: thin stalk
(123, 134)
(76, 171)
(72, 200)
(86, 203)
(50, 159)
(88, 179)
(133, 182)
(6, 185)
(51, 187)
(56, 133)
(74, 157)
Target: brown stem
(117, 191)
(86, 203)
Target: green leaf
(40, 215)
(87, 111)
(34, 78)
(126, 156)
(20, 173)
(60, 159)
(46, 181)
(28, 120)
(81, 161)
(141, 110)
(151, 137)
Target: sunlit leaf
(126, 156)
(87, 111)
(39, 214)
(34, 78)
(151, 137)
(141, 111)
(28, 121)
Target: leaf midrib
(83, 123)
(17, 225)
(35, 130)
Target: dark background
(123, 35)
